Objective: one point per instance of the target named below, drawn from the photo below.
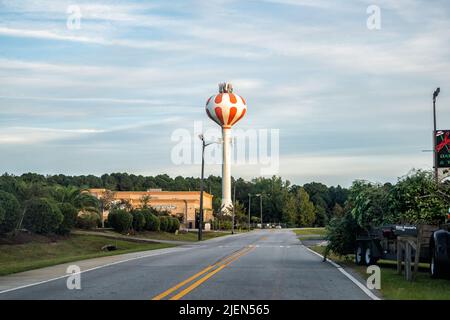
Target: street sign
(443, 148)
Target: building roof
(162, 193)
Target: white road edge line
(94, 268)
(348, 275)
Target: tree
(289, 214)
(106, 202)
(42, 216)
(145, 201)
(305, 209)
(416, 198)
(80, 199)
(338, 211)
(11, 212)
(370, 204)
(70, 214)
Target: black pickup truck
(381, 243)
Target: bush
(87, 220)
(42, 216)
(120, 220)
(11, 212)
(70, 214)
(151, 221)
(164, 223)
(138, 220)
(2, 214)
(341, 234)
(174, 224)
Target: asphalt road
(267, 264)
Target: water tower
(226, 108)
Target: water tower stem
(226, 170)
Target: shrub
(341, 234)
(174, 224)
(151, 221)
(120, 220)
(70, 214)
(2, 214)
(42, 216)
(164, 223)
(138, 220)
(87, 220)
(11, 212)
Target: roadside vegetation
(32, 251)
(414, 199)
(311, 233)
(159, 235)
(393, 285)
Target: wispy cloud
(136, 71)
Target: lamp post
(200, 218)
(260, 195)
(435, 95)
(260, 207)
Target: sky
(350, 102)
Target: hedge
(164, 223)
(87, 220)
(138, 220)
(151, 221)
(120, 220)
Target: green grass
(43, 253)
(311, 233)
(394, 286)
(189, 236)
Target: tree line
(312, 204)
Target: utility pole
(234, 205)
(200, 218)
(260, 207)
(435, 94)
(249, 209)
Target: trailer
(418, 243)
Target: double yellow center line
(202, 276)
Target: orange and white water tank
(226, 108)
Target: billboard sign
(443, 148)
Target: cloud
(136, 71)
(21, 135)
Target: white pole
(226, 171)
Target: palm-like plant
(81, 199)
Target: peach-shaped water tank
(226, 108)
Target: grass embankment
(187, 236)
(394, 286)
(311, 233)
(157, 235)
(17, 255)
